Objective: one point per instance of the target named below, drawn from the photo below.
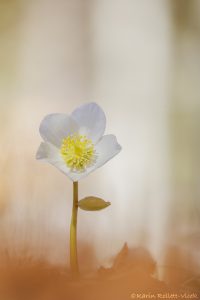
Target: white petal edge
(91, 120)
(55, 127)
(49, 153)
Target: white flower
(75, 144)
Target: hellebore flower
(75, 144)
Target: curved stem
(73, 232)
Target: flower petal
(107, 148)
(91, 120)
(55, 127)
(49, 153)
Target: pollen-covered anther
(78, 152)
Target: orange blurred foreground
(130, 277)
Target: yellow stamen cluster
(78, 152)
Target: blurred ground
(131, 276)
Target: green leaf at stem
(92, 203)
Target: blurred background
(139, 60)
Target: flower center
(77, 151)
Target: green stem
(73, 232)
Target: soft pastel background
(139, 60)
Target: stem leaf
(92, 203)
